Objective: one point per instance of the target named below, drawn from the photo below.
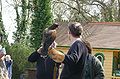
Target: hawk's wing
(49, 37)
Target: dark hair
(76, 29)
(54, 26)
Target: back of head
(54, 26)
(75, 29)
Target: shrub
(19, 53)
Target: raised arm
(73, 56)
(33, 57)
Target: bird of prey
(49, 36)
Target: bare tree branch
(9, 3)
(66, 4)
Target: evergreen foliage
(2, 29)
(42, 18)
(19, 53)
(20, 33)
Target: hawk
(49, 36)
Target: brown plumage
(49, 36)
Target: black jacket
(45, 67)
(74, 61)
(93, 68)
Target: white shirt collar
(80, 38)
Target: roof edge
(105, 23)
(95, 48)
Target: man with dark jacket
(75, 60)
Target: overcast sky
(8, 15)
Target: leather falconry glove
(57, 56)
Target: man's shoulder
(77, 42)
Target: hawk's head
(54, 26)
